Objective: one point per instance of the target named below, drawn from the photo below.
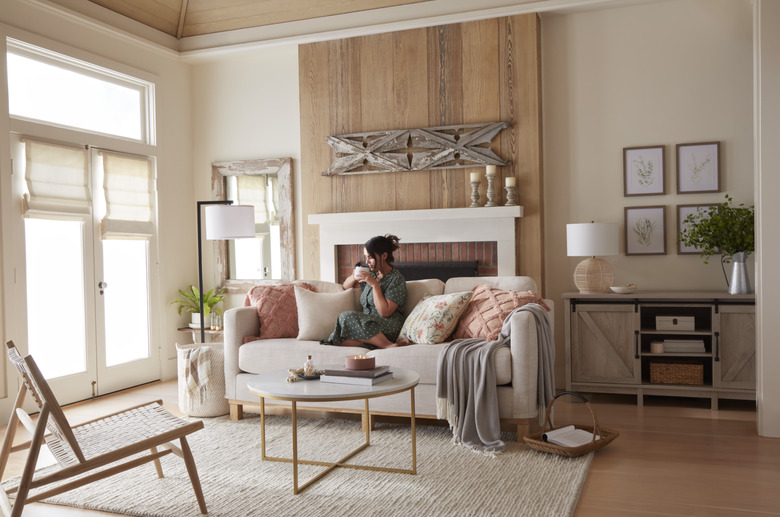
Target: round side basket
(201, 372)
(601, 436)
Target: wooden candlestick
(491, 192)
(474, 194)
(511, 196)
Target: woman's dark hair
(382, 244)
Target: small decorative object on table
(599, 436)
(474, 177)
(359, 362)
(490, 172)
(511, 191)
(308, 367)
(623, 289)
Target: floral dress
(367, 324)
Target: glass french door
(88, 311)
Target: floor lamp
(224, 220)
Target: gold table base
(340, 463)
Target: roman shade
(57, 178)
(128, 188)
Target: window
(59, 90)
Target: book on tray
(363, 381)
(344, 372)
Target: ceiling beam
(182, 15)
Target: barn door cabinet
(669, 343)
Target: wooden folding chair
(121, 439)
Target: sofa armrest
(524, 347)
(238, 323)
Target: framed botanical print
(643, 171)
(683, 211)
(645, 230)
(698, 167)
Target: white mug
(359, 269)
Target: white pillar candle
(510, 181)
(490, 170)
(474, 177)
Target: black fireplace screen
(441, 270)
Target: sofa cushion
(416, 289)
(434, 318)
(488, 309)
(424, 360)
(276, 309)
(508, 283)
(267, 355)
(317, 312)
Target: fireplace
(489, 231)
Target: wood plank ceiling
(183, 18)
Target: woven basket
(606, 436)
(677, 373)
(211, 400)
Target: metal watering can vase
(740, 283)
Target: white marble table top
(274, 385)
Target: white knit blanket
(466, 391)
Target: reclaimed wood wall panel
(472, 72)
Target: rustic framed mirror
(267, 185)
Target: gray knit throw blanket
(466, 391)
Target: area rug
(450, 480)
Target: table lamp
(224, 220)
(592, 275)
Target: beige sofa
(516, 366)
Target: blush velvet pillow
(276, 309)
(434, 317)
(488, 309)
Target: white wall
(654, 74)
(245, 106)
(174, 166)
(767, 41)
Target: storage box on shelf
(672, 343)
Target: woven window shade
(127, 183)
(251, 191)
(57, 177)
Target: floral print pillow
(434, 318)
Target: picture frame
(645, 228)
(698, 167)
(682, 212)
(643, 171)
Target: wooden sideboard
(609, 344)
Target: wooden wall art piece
(443, 147)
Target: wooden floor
(673, 456)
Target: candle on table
(474, 177)
(510, 182)
(490, 170)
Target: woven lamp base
(594, 275)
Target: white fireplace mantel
(482, 224)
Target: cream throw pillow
(318, 312)
(434, 318)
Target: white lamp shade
(591, 239)
(230, 222)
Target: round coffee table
(273, 385)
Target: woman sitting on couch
(383, 297)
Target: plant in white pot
(728, 231)
(190, 302)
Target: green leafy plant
(190, 301)
(722, 229)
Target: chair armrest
(238, 322)
(524, 348)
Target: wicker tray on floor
(605, 436)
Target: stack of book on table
(363, 377)
(684, 346)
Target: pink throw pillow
(487, 310)
(276, 309)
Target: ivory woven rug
(450, 480)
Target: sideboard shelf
(610, 342)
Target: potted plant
(190, 302)
(726, 230)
